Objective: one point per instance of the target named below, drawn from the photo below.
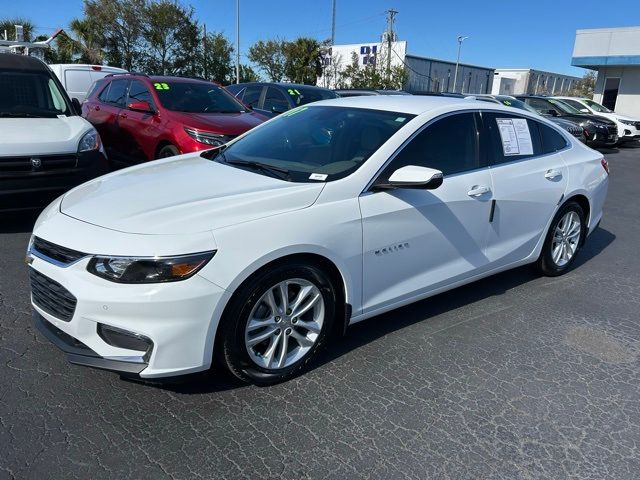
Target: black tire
(168, 151)
(545, 264)
(231, 350)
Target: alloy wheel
(285, 324)
(566, 238)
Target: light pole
(455, 76)
(237, 41)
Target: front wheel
(564, 239)
(276, 323)
(168, 151)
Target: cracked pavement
(513, 377)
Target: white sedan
(249, 256)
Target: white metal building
(615, 54)
(425, 74)
(522, 81)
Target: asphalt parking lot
(515, 376)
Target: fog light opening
(117, 337)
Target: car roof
(13, 61)
(88, 66)
(280, 84)
(406, 103)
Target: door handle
(97, 108)
(478, 190)
(552, 174)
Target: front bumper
(179, 319)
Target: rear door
(138, 130)
(103, 114)
(529, 179)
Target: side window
(518, 140)
(577, 105)
(138, 92)
(449, 145)
(275, 98)
(542, 106)
(552, 141)
(115, 92)
(251, 96)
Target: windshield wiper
(279, 172)
(16, 114)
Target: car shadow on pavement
(372, 329)
(18, 222)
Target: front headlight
(148, 269)
(207, 138)
(89, 141)
(629, 122)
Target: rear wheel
(168, 151)
(564, 239)
(276, 323)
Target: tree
(8, 25)
(269, 57)
(585, 87)
(119, 24)
(372, 75)
(82, 41)
(217, 59)
(247, 74)
(172, 37)
(303, 61)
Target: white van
(46, 147)
(77, 78)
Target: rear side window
(115, 93)
(275, 99)
(251, 96)
(77, 81)
(494, 142)
(552, 141)
(449, 145)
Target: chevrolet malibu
(249, 256)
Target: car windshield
(515, 103)
(31, 94)
(596, 107)
(564, 107)
(196, 97)
(318, 143)
(302, 95)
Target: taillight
(96, 68)
(605, 165)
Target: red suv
(142, 118)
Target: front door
(415, 241)
(138, 130)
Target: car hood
(185, 194)
(41, 136)
(223, 123)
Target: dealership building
(614, 53)
(424, 74)
(527, 81)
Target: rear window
(196, 98)
(302, 96)
(30, 94)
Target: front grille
(56, 252)
(37, 163)
(612, 129)
(51, 297)
(637, 125)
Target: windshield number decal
(161, 86)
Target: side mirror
(141, 106)
(277, 109)
(76, 106)
(585, 110)
(413, 176)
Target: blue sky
(503, 33)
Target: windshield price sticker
(161, 86)
(318, 176)
(515, 135)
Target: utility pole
(237, 41)
(391, 37)
(455, 76)
(204, 52)
(333, 24)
